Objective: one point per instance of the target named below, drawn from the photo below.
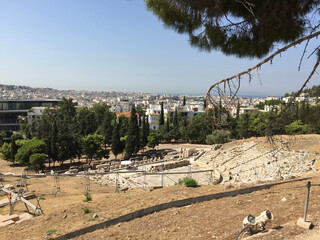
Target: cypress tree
(14, 147)
(106, 127)
(116, 146)
(161, 119)
(144, 132)
(238, 111)
(184, 100)
(133, 139)
(147, 128)
(175, 118)
(167, 124)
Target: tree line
(68, 133)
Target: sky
(118, 45)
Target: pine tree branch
(215, 87)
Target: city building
(11, 110)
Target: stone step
(4, 218)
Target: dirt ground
(216, 219)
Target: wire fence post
(117, 179)
(56, 185)
(307, 201)
(24, 180)
(162, 176)
(144, 179)
(87, 187)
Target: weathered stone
(6, 223)
(8, 217)
(304, 224)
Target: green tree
(2, 138)
(6, 151)
(14, 147)
(257, 125)
(168, 124)
(238, 110)
(28, 148)
(175, 133)
(37, 161)
(86, 121)
(67, 108)
(60, 131)
(218, 136)
(91, 146)
(184, 101)
(123, 125)
(116, 146)
(297, 127)
(141, 113)
(100, 112)
(199, 128)
(175, 117)
(242, 28)
(154, 139)
(107, 126)
(47, 131)
(144, 132)
(133, 139)
(25, 127)
(161, 117)
(243, 126)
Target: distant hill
(313, 92)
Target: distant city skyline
(117, 45)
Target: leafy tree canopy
(245, 28)
(91, 145)
(28, 148)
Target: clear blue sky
(117, 45)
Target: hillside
(215, 219)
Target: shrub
(6, 151)
(218, 136)
(28, 148)
(188, 182)
(51, 231)
(86, 210)
(88, 198)
(297, 127)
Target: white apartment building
(34, 113)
